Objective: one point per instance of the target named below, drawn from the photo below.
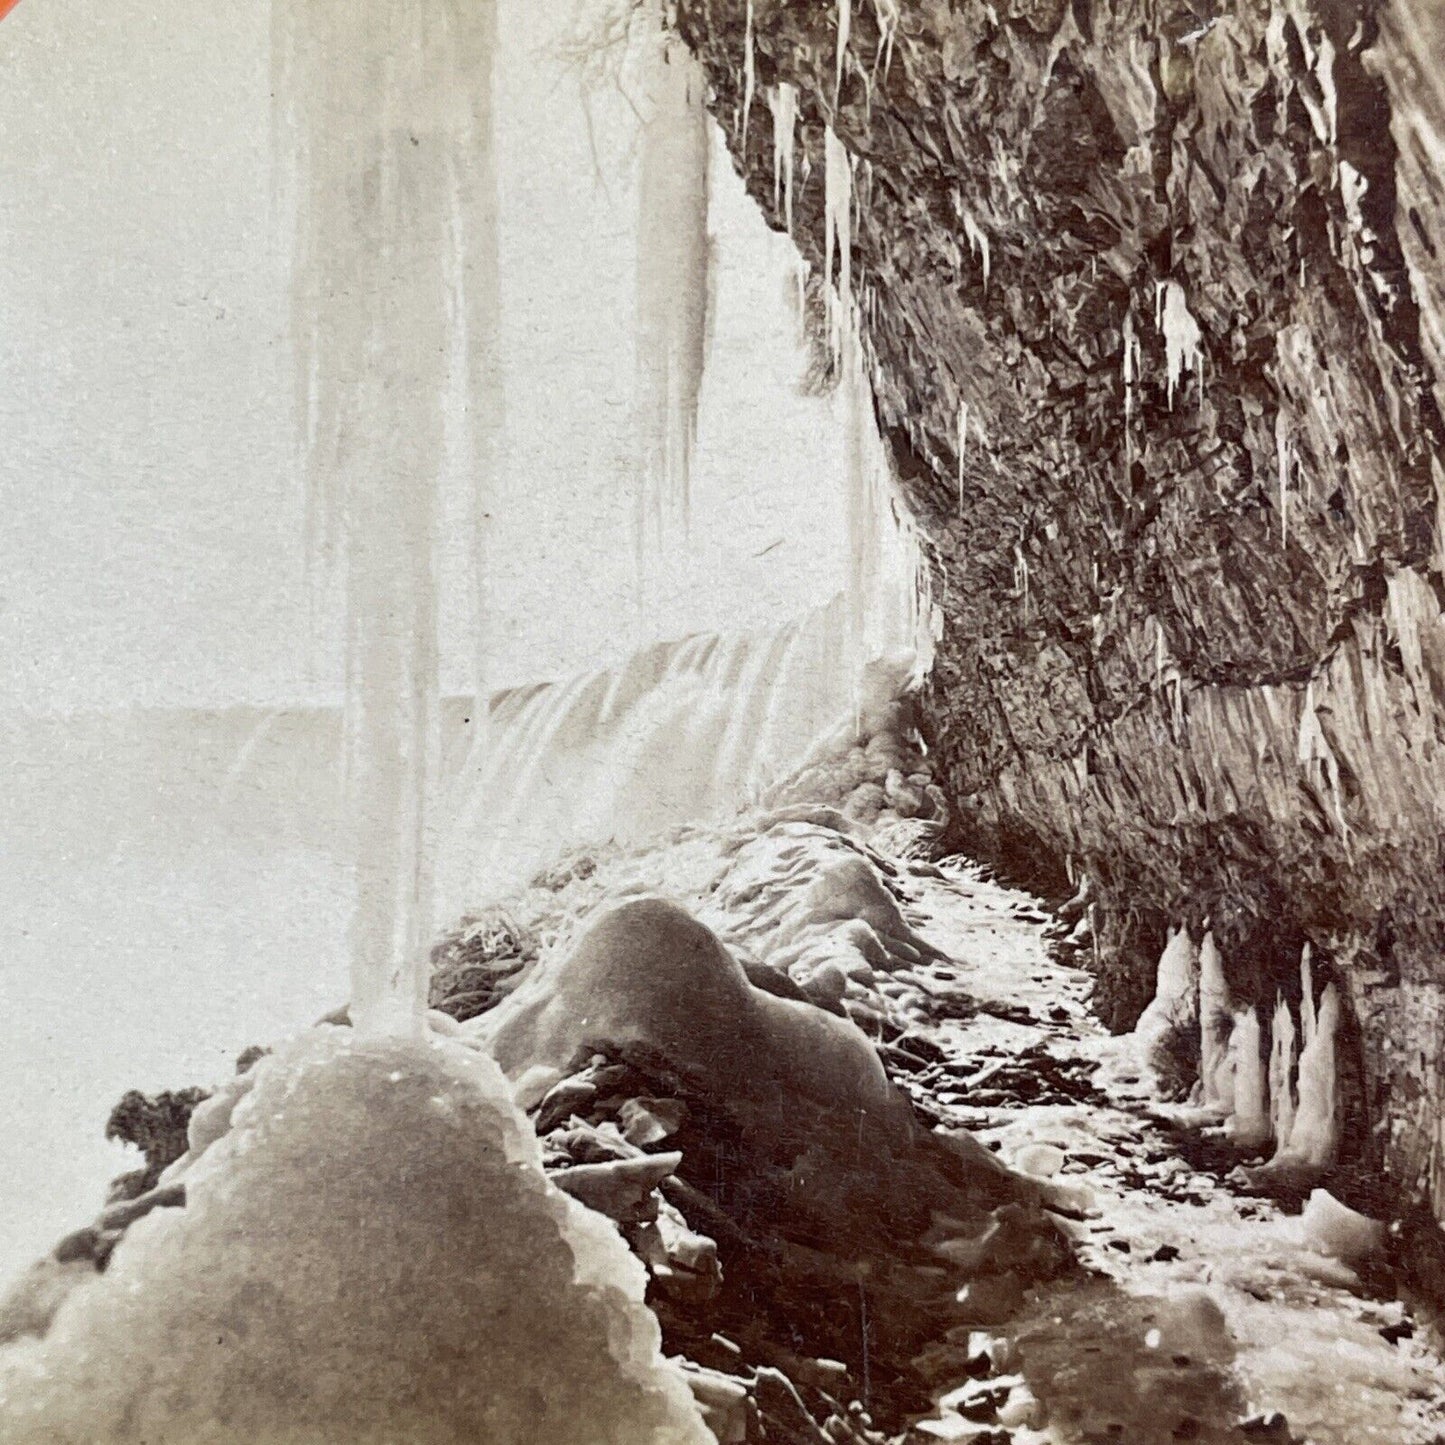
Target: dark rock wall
(1193, 642)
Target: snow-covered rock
(371, 1253)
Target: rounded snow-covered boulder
(648, 975)
(372, 1253)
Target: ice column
(672, 280)
(388, 111)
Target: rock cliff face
(1179, 267)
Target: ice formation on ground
(1215, 1064)
(1249, 1124)
(371, 1253)
(1175, 1005)
(1334, 1229)
(647, 974)
(1314, 1135)
(1281, 1071)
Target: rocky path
(1200, 1314)
(818, 1284)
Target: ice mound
(1334, 1229)
(370, 1253)
(805, 895)
(647, 974)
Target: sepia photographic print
(722, 722)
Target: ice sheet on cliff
(372, 1253)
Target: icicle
(1314, 1136)
(1182, 338)
(785, 124)
(1281, 1071)
(977, 245)
(394, 302)
(1021, 576)
(888, 15)
(1133, 357)
(1249, 1125)
(845, 27)
(673, 279)
(750, 71)
(1307, 995)
(1281, 444)
(1214, 1026)
(962, 444)
(838, 235)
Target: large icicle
(1214, 1026)
(394, 300)
(845, 28)
(1183, 341)
(1281, 1071)
(750, 72)
(838, 236)
(672, 279)
(785, 126)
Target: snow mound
(1334, 1229)
(371, 1253)
(647, 974)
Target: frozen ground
(1202, 1309)
(818, 1283)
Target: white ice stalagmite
(1314, 1136)
(1249, 1125)
(1216, 1086)
(1281, 1071)
(672, 279)
(1175, 1005)
(389, 112)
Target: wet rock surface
(1174, 273)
